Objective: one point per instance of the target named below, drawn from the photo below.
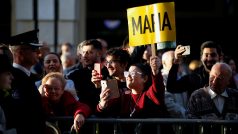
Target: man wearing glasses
(116, 62)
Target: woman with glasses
(58, 102)
(146, 99)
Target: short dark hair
(211, 44)
(146, 71)
(145, 68)
(120, 54)
(94, 42)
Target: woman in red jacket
(58, 102)
(146, 99)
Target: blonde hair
(57, 75)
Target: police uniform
(29, 113)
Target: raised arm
(155, 64)
(174, 85)
(157, 89)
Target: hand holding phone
(98, 67)
(187, 50)
(112, 85)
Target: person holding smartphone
(145, 99)
(116, 62)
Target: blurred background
(76, 20)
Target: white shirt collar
(213, 94)
(28, 72)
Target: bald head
(222, 68)
(167, 59)
(220, 76)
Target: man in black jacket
(29, 114)
(87, 92)
(91, 52)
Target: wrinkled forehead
(220, 71)
(215, 72)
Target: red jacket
(67, 106)
(148, 104)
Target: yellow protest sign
(151, 24)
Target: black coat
(7, 104)
(189, 82)
(29, 112)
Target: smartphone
(98, 68)
(112, 85)
(187, 50)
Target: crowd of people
(37, 84)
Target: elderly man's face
(219, 79)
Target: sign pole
(153, 49)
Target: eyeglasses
(110, 62)
(50, 88)
(132, 74)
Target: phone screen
(187, 50)
(112, 85)
(98, 67)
